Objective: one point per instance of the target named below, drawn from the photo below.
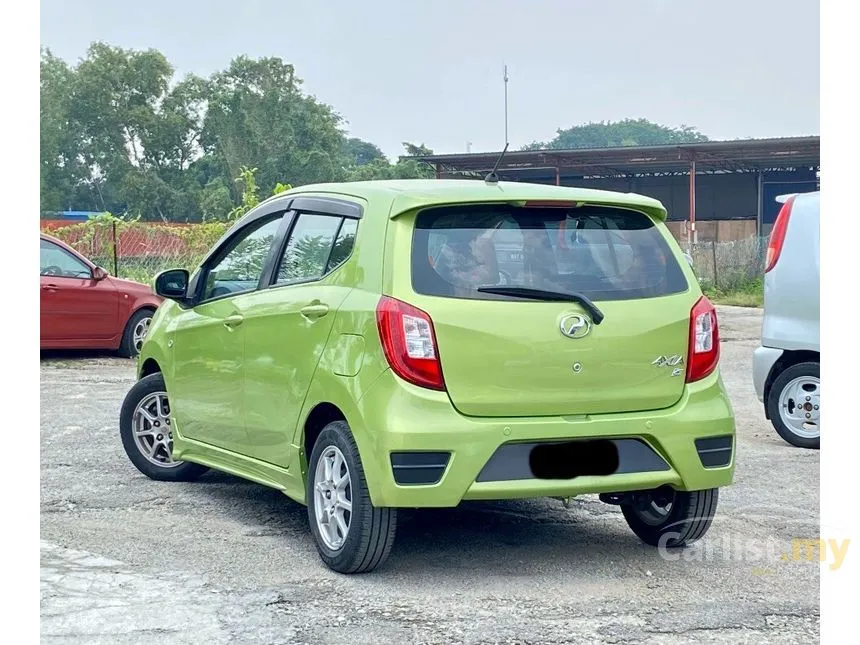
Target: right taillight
(704, 350)
(409, 342)
(777, 235)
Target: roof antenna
(492, 177)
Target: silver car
(786, 366)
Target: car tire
(144, 421)
(336, 480)
(657, 524)
(132, 339)
(788, 414)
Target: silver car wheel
(332, 497)
(138, 334)
(153, 434)
(800, 406)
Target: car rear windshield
(600, 252)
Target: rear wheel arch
(319, 417)
(788, 358)
(333, 397)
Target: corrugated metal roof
(741, 155)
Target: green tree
(61, 171)
(413, 150)
(215, 200)
(120, 133)
(404, 168)
(627, 132)
(257, 116)
(115, 135)
(115, 92)
(357, 152)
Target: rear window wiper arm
(553, 296)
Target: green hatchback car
(370, 346)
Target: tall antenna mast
(492, 177)
(506, 103)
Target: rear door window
(343, 244)
(317, 245)
(603, 253)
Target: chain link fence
(729, 266)
(136, 250)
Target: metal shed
(697, 182)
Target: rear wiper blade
(553, 296)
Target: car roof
(784, 198)
(406, 194)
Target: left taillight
(409, 343)
(704, 350)
(777, 235)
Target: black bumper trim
(715, 452)
(511, 461)
(418, 468)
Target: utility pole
(506, 103)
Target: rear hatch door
(539, 352)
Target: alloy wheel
(332, 497)
(153, 434)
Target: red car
(83, 307)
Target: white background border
(19, 324)
(840, 235)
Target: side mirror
(172, 284)
(99, 274)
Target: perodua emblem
(575, 326)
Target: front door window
(241, 268)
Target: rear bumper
(764, 358)
(398, 418)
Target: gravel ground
(129, 560)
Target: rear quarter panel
(352, 359)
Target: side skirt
(242, 466)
